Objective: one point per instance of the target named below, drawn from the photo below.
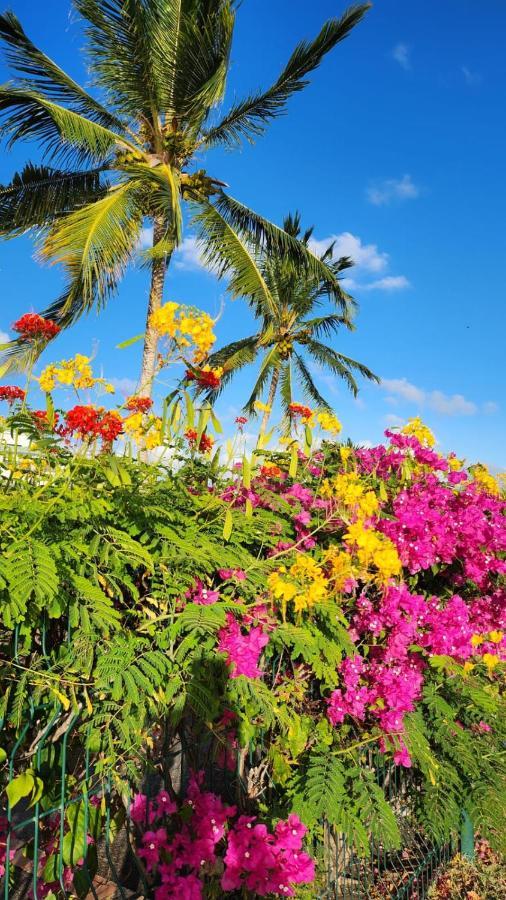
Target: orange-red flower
(92, 421)
(12, 392)
(139, 404)
(32, 326)
(206, 441)
(206, 377)
(297, 409)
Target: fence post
(467, 836)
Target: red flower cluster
(241, 420)
(90, 422)
(297, 409)
(139, 404)
(206, 442)
(32, 326)
(206, 378)
(12, 392)
(40, 418)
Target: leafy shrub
(305, 620)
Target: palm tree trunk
(270, 399)
(158, 271)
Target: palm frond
(164, 188)
(341, 365)
(309, 389)
(42, 75)
(199, 65)
(95, 243)
(249, 118)
(231, 359)
(323, 325)
(273, 240)
(235, 355)
(285, 390)
(120, 57)
(60, 131)
(270, 362)
(229, 255)
(37, 195)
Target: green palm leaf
(277, 241)
(341, 365)
(270, 363)
(249, 118)
(37, 195)
(311, 392)
(227, 254)
(43, 75)
(60, 131)
(95, 243)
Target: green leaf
(27, 784)
(294, 461)
(228, 525)
(130, 341)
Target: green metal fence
(83, 813)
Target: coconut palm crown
(294, 316)
(127, 155)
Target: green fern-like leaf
(30, 571)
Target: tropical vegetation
(289, 335)
(298, 620)
(220, 665)
(127, 156)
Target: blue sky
(397, 149)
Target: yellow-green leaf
(228, 525)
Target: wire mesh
(79, 813)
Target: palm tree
(127, 156)
(291, 329)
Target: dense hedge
(294, 616)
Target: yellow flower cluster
(349, 491)
(185, 327)
(485, 480)
(262, 407)
(304, 583)
(75, 372)
(146, 430)
(329, 422)
(341, 567)
(416, 428)
(494, 636)
(373, 550)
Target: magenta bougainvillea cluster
(365, 530)
(182, 843)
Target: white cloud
(146, 238)
(402, 54)
(368, 260)
(454, 405)
(124, 385)
(489, 408)
(401, 387)
(394, 421)
(188, 255)
(444, 404)
(471, 78)
(392, 189)
(388, 283)
(4, 337)
(365, 256)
